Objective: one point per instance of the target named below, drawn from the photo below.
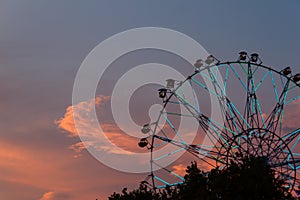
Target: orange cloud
(48, 196)
(119, 142)
(179, 169)
(77, 148)
(67, 122)
(119, 138)
(54, 196)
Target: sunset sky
(42, 45)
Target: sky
(42, 45)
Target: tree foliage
(250, 178)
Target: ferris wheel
(222, 112)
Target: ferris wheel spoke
(204, 121)
(276, 116)
(238, 77)
(292, 140)
(257, 101)
(194, 96)
(226, 77)
(195, 150)
(215, 131)
(233, 116)
(276, 145)
(293, 99)
(252, 112)
(248, 146)
(290, 137)
(274, 155)
(232, 119)
(277, 100)
(263, 120)
(238, 116)
(164, 141)
(287, 163)
(274, 86)
(283, 169)
(229, 111)
(204, 87)
(262, 80)
(228, 115)
(181, 146)
(169, 171)
(173, 128)
(219, 87)
(162, 181)
(186, 103)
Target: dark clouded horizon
(42, 45)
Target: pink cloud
(179, 169)
(89, 128)
(48, 196)
(67, 121)
(77, 148)
(54, 196)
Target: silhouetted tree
(250, 178)
(143, 192)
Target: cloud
(77, 148)
(48, 196)
(80, 110)
(88, 127)
(54, 196)
(179, 169)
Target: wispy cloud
(88, 127)
(48, 196)
(80, 110)
(179, 169)
(54, 196)
(77, 148)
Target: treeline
(249, 179)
